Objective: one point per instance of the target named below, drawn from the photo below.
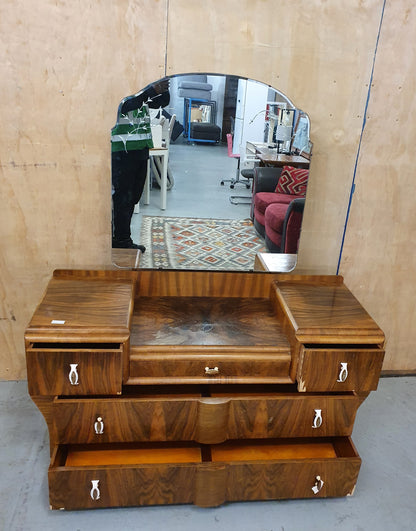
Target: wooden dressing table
(166, 387)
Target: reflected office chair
(236, 180)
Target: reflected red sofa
(277, 206)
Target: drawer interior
(132, 455)
(275, 450)
(230, 451)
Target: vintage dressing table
(203, 387)
(167, 387)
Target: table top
(270, 157)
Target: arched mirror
(207, 171)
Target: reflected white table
(163, 153)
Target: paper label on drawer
(57, 321)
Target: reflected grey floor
(385, 497)
(197, 192)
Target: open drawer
(205, 414)
(166, 473)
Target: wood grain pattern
(82, 308)
(225, 414)
(240, 477)
(206, 321)
(363, 366)
(327, 314)
(175, 338)
(379, 257)
(129, 485)
(65, 165)
(164, 418)
(99, 371)
(155, 283)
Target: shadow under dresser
(167, 387)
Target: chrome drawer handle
(211, 372)
(95, 491)
(99, 426)
(343, 373)
(318, 485)
(73, 374)
(317, 421)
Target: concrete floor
(385, 497)
(197, 192)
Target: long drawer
(226, 413)
(74, 369)
(341, 368)
(194, 364)
(131, 475)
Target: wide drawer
(154, 365)
(130, 475)
(225, 412)
(340, 368)
(70, 369)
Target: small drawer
(84, 369)
(190, 365)
(209, 419)
(131, 475)
(340, 368)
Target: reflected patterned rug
(199, 243)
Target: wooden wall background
(65, 66)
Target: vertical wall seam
(361, 138)
(166, 40)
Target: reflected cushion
(263, 199)
(293, 181)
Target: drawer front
(339, 369)
(206, 420)
(74, 372)
(89, 488)
(262, 471)
(124, 420)
(308, 416)
(210, 368)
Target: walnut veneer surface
(163, 387)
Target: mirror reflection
(207, 171)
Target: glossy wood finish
(199, 339)
(177, 283)
(208, 364)
(220, 321)
(119, 486)
(95, 371)
(73, 310)
(212, 419)
(261, 470)
(362, 369)
(197, 434)
(326, 313)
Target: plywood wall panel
(64, 67)
(379, 261)
(312, 53)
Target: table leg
(164, 183)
